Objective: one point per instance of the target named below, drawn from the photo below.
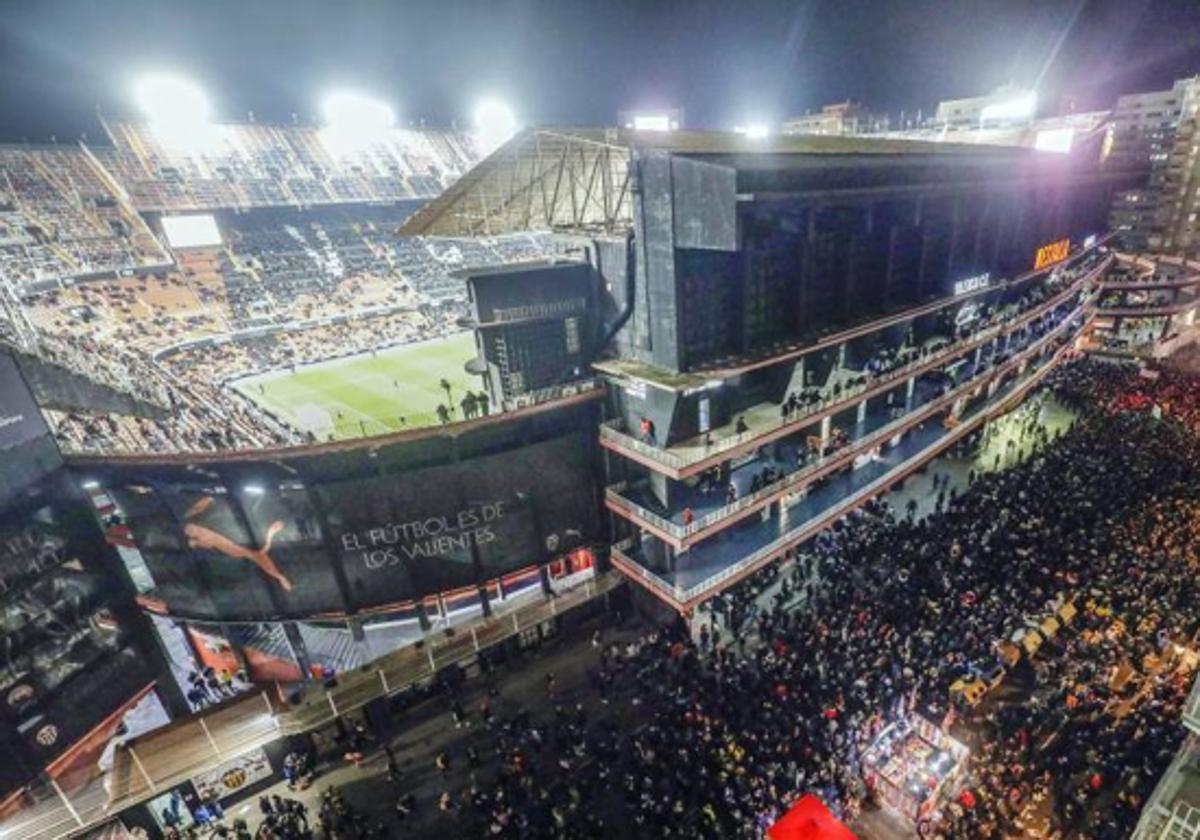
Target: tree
(445, 383)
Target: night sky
(575, 62)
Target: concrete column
(912, 386)
(841, 362)
(826, 425)
(957, 408)
(862, 411)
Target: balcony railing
(1191, 711)
(684, 598)
(1147, 310)
(683, 461)
(679, 533)
(1166, 815)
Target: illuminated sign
(1090, 241)
(1052, 253)
(972, 284)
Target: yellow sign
(1051, 253)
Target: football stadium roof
(578, 179)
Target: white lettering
(973, 284)
(435, 536)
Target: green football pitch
(368, 394)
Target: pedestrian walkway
(165, 757)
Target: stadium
(365, 480)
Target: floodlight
(755, 131)
(1054, 140)
(355, 114)
(178, 112)
(172, 100)
(495, 123)
(652, 122)
(1017, 108)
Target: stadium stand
(58, 219)
(310, 268)
(250, 165)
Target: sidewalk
(427, 729)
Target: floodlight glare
(1018, 108)
(355, 114)
(495, 123)
(177, 110)
(652, 122)
(1054, 140)
(755, 131)
(170, 99)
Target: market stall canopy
(809, 819)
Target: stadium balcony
(829, 492)
(1122, 309)
(798, 460)
(693, 456)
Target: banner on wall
(20, 419)
(231, 548)
(232, 776)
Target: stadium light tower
(177, 110)
(495, 124)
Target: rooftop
(578, 179)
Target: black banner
(256, 542)
(20, 419)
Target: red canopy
(809, 819)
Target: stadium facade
(799, 322)
(725, 342)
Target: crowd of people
(777, 688)
(722, 731)
(284, 351)
(286, 288)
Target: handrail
(823, 465)
(260, 721)
(775, 546)
(1125, 310)
(1148, 285)
(675, 460)
(589, 393)
(683, 598)
(1191, 709)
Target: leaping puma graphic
(199, 536)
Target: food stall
(914, 766)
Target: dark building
(534, 327)
(797, 322)
(77, 653)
